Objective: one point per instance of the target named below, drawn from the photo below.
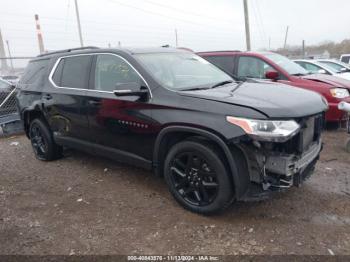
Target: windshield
(287, 64)
(337, 67)
(182, 71)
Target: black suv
(213, 139)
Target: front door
(119, 123)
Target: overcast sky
(201, 24)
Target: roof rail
(69, 50)
(220, 51)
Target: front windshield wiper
(194, 89)
(222, 83)
(301, 74)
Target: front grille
(310, 132)
(311, 128)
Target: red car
(275, 67)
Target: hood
(345, 75)
(272, 99)
(328, 79)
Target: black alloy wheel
(42, 141)
(194, 179)
(197, 177)
(39, 143)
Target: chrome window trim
(53, 70)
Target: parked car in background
(337, 65)
(213, 139)
(274, 67)
(316, 67)
(11, 78)
(345, 58)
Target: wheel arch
(29, 115)
(173, 134)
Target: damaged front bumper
(272, 171)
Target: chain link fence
(11, 70)
(8, 103)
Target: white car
(345, 58)
(336, 65)
(316, 67)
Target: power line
(157, 14)
(257, 22)
(186, 12)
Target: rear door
(117, 124)
(69, 81)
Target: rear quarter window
(35, 72)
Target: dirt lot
(87, 205)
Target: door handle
(47, 97)
(94, 103)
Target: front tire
(197, 177)
(44, 146)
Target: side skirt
(108, 152)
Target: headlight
(339, 92)
(266, 130)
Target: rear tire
(348, 146)
(197, 177)
(43, 144)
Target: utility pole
(78, 21)
(40, 35)
(9, 51)
(2, 54)
(269, 43)
(286, 38)
(303, 49)
(247, 29)
(176, 39)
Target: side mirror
(130, 89)
(344, 70)
(272, 75)
(322, 71)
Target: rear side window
(225, 63)
(35, 72)
(73, 72)
(346, 59)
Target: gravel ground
(88, 205)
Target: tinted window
(225, 63)
(75, 72)
(35, 72)
(251, 67)
(112, 70)
(346, 59)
